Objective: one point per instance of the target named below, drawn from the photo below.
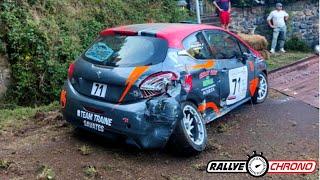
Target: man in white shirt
(277, 20)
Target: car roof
(174, 33)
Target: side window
(222, 44)
(196, 46)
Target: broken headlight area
(157, 84)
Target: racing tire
(262, 90)
(190, 134)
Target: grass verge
(18, 115)
(278, 60)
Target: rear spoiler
(124, 32)
(113, 31)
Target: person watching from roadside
(224, 7)
(277, 21)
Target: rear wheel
(190, 135)
(262, 91)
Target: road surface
(300, 80)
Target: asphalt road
(282, 128)
(299, 80)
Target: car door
(232, 65)
(201, 67)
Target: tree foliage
(42, 37)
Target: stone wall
(4, 75)
(303, 22)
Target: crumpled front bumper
(145, 124)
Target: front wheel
(190, 135)
(262, 91)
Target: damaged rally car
(154, 84)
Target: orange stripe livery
(133, 77)
(253, 86)
(209, 64)
(251, 66)
(211, 105)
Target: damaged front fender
(162, 113)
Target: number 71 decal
(238, 83)
(99, 90)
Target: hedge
(42, 37)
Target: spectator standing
(224, 7)
(277, 20)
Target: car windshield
(127, 51)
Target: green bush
(41, 38)
(295, 44)
(2, 47)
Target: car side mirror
(238, 55)
(244, 57)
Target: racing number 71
(99, 90)
(236, 81)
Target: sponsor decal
(99, 52)
(257, 166)
(94, 121)
(208, 73)
(207, 82)
(231, 97)
(208, 90)
(94, 126)
(196, 46)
